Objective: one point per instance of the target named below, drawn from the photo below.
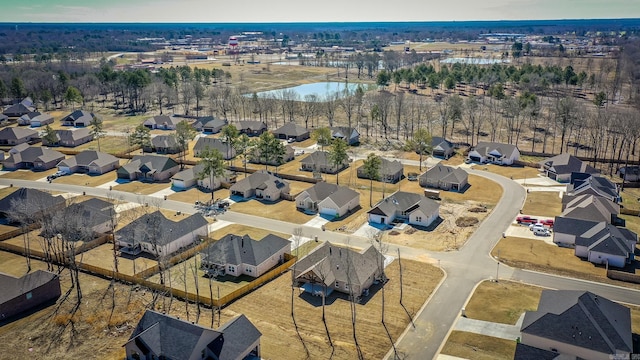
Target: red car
(548, 222)
(526, 220)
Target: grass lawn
(543, 203)
(539, 256)
(23, 174)
(630, 198)
(514, 171)
(508, 301)
(269, 309)
(280, 210)
(478, 347)
(87, 180)
(108, 144)
(138, 187)
(237, 229)
(480, 190)
(6, 191)
(194, 194)
(102, 257)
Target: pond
(320, 89)
(475, 60)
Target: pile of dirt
(479, 209)
(410, 231)
(394, 232)
(466, 221)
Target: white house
(328, 199)
(495, 153)
(416, 209)
(155, 234)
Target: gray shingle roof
(401, 201)
(79, 116)
(338, 194)
(590, 207)
(387, 167)
(484, 148)
(565, 164)
(33, 153)
(581, 319)
(164, 141)
(572, 226)
(446, 174)
(259, 179)
(87, 157)
(253, 125)
(291, 129)
(337, 263)
(32, 197)
(177, 339)
(16, 133)
(155, 163)
(73, 134)
(234, 249)
(159, 227)
(440, 143)
(597, 184)
(526, 352)
(160, 120)
(13, 287)
(608, 239)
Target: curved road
(464, 268)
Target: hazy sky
(309, 11)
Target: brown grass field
(138, 187)
(23, 174)
(108, 144)
(478, 347)
(237, 229)
(513, 172)
(102, 257)
(87, 180)
(540, 256)
(630, 198)
(543, 203)
(280, 210)
(508, 301)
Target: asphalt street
(464, 268)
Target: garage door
(178, 184)
(329, 212)
(475, 158)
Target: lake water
(321, 89)
(474, 60)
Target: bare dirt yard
(513, 172)
(269, 309)
(23, 174)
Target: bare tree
(296, 237)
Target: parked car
(535, 226)
(541, 232)
(526, 220)
(412, 176)
(467, 161)
(547, 222)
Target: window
(419, 218)
(29, 295)
(346, 286)
(337, 284)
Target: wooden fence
(623, 276)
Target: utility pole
(498, 266)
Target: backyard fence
(623, 276)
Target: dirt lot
(478, 347)
(108, 144)
(102, 257)
(269, 309)
(280, 210)
(446, 236)
(543, 203)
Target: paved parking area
(522, 231)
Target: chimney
(329, 250)
(242, 242)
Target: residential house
(209, 124)
(90, 162)
(441, 147)
(94, 214)
(23, 107)
(560, 167)
(241, 255)
(578, 324)
(350, 135)
(189, 177)
(390, 171)
(24, 156)
(328, 199)
(252, 127)
(164, 144)
(445, 178)
(318, 161)
(14, 136)
(629, 173)
(155, 234)
(3, 118)
(78, 118)
(598, 242)
(149, 168)
(33, 202)
(71, 137)
(413, 208)
(22, 294)
(329, 267)
(255, 156)
(227, 151)
(162, 122)
(262, 185)
(590, 207)
(160, 336)
(595, 185)
(495, 153)
(35, 119)
(291, 130)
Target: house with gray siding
(241, 255)
(227, 150)
(261, 184)
(560, 167)
(89, 162)
(390, 171)
(14, 136)
(38, 158)
(318, 161)
(149, 168)
(291, 130)
(413, 208)
(252, 127)
(209, 124)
